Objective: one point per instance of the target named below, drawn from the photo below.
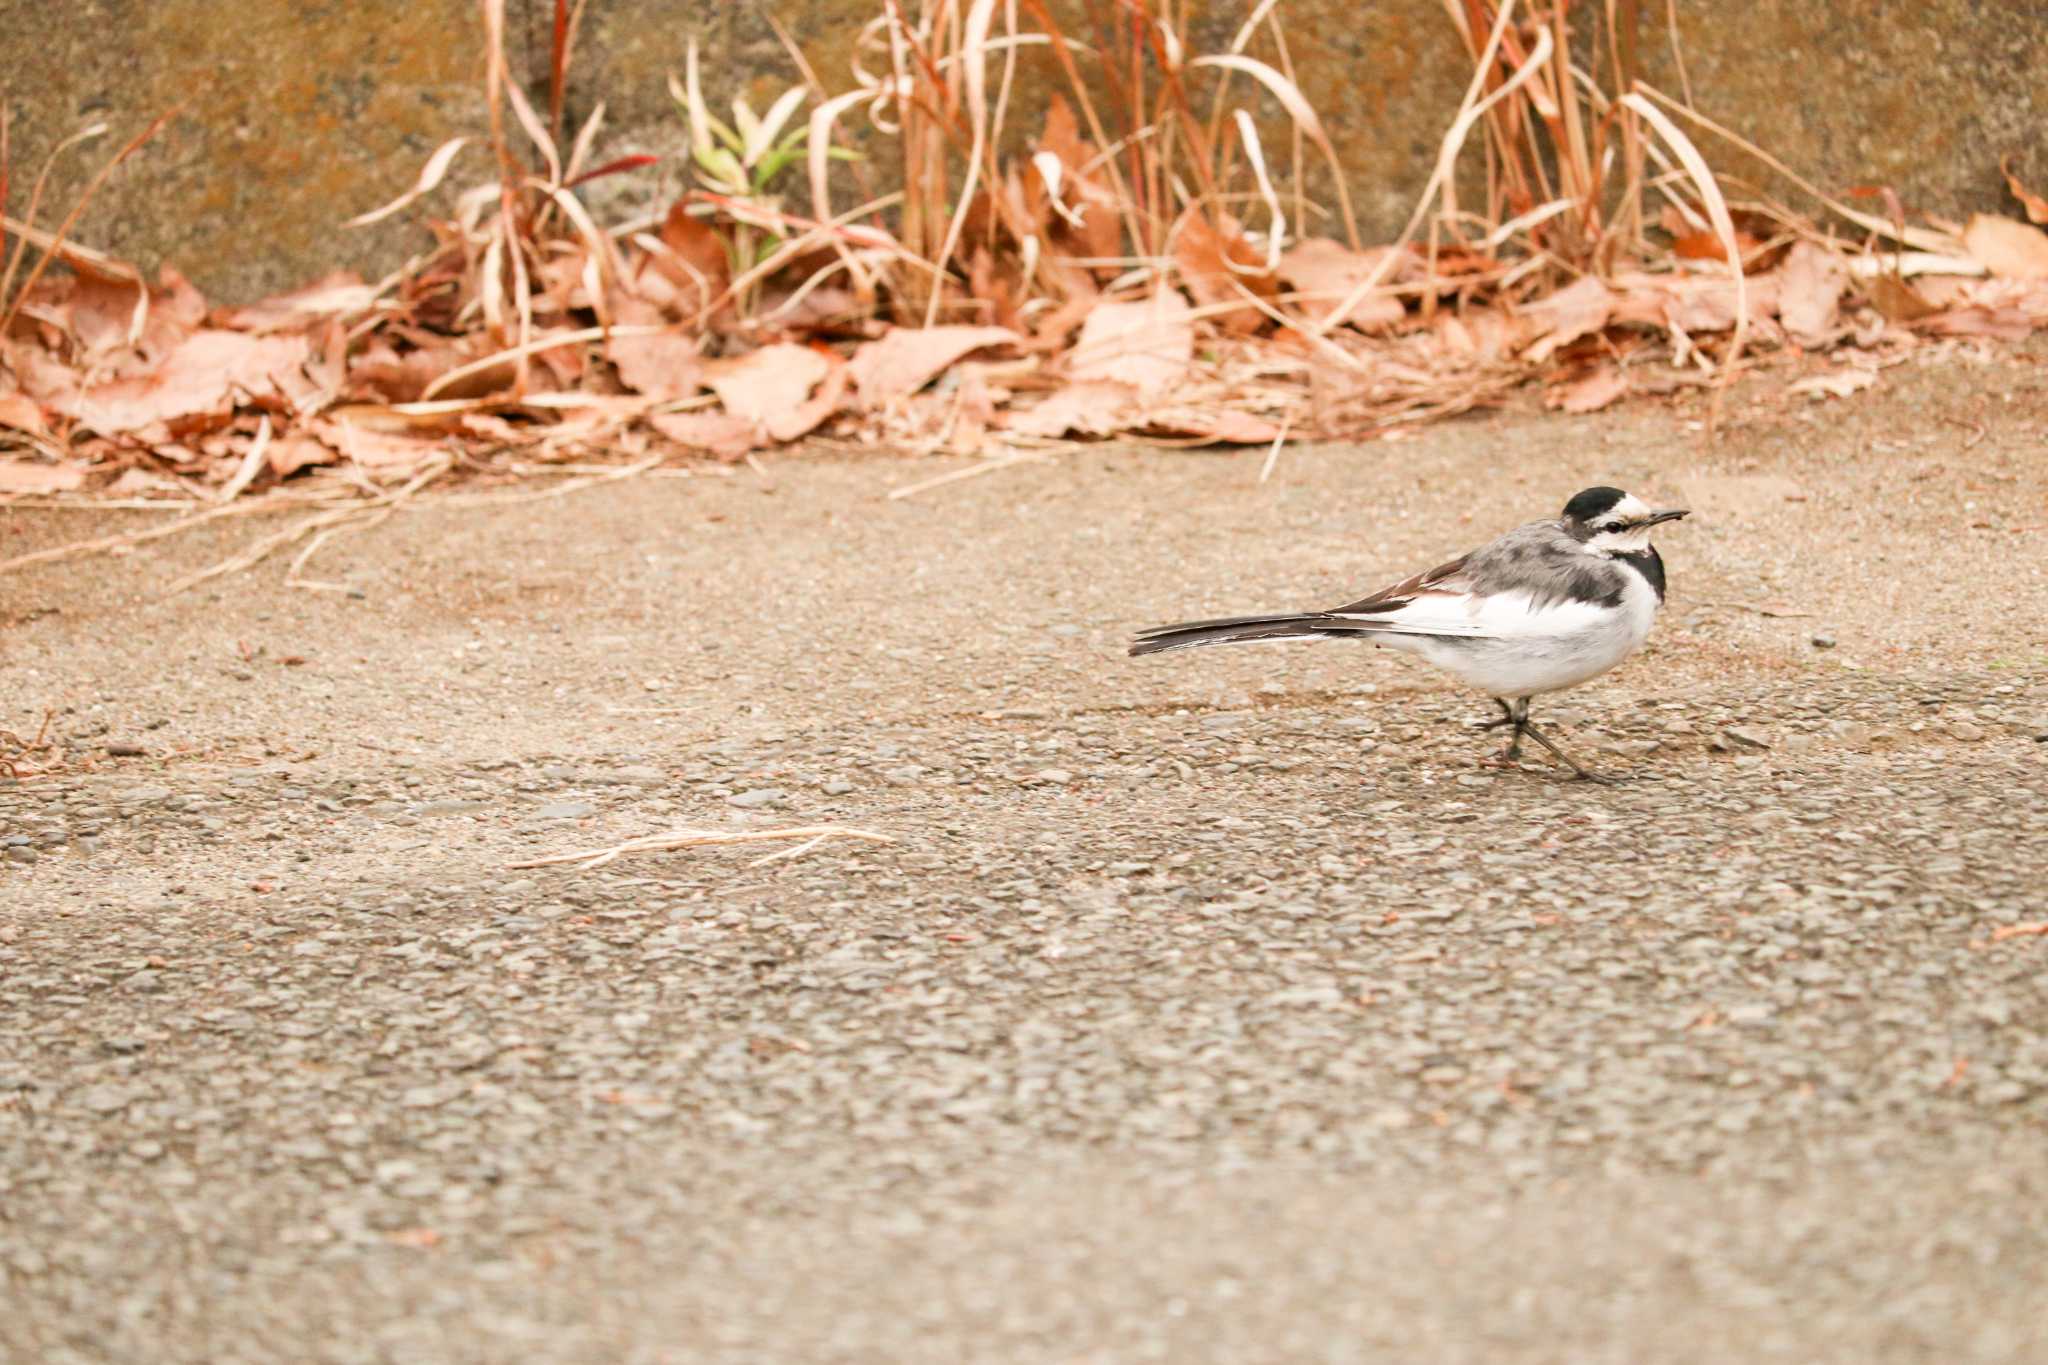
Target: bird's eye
(1617, 526)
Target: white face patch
(1633, 537)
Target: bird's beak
(1668, 514)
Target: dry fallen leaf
(1219, 267)
(381, 454)
(808, 415)
(1590, 394)
(1692, 303)
(1088, 407)
(287, 455)
(200, 376)
(768, 383)
(1220, 425)
(381, 372)
(1326, 273)
(23, 476)
(1485, 336)
(101, 314)
(1707, 246)
(1810, 286)
(142, 483)
(2006, 247)
(1148, 345)
(714, 433)
(694, 266)
(1897, 300)
(2001, 324)
(1090, 227)
(1579, 309)
(2036, 206)
(22, 413)
(906, 359)
(663, 366)
(1839, 384)
(332, 295)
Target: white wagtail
(1547, 606)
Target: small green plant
(742, 159)
(739, 166)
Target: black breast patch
(1650, 565)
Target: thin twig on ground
(369, 513)
(14, 750)
(971, 472)
(129, 539)
(588, 858)
(1273, 455)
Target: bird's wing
(1445, 580)
(1529, 582)
(1508, 615)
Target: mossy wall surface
(296, 114)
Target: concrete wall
(298, 113)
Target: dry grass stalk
(586, 859)
(974, 471)
(127, 540)
(323, 523)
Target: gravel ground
(1221, 1007)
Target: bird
(1551, 604)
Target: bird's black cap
(1591, 503)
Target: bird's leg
(1518, 717)
(1507, 716)
(1525, 728)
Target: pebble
(450, 806)
(104, 1099)
(836, 786)
(1823, 639)
(565, 810)
(757, 797)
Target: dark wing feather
(1444, 578)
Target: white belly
(1524, 653)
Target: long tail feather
(1239, 630)
(1317, 625)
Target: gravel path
(1227, 1007)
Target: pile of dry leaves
(1045, 297)
(139, 390)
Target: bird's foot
(1583, 773)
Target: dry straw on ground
(1144, 265)
(812, 836)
